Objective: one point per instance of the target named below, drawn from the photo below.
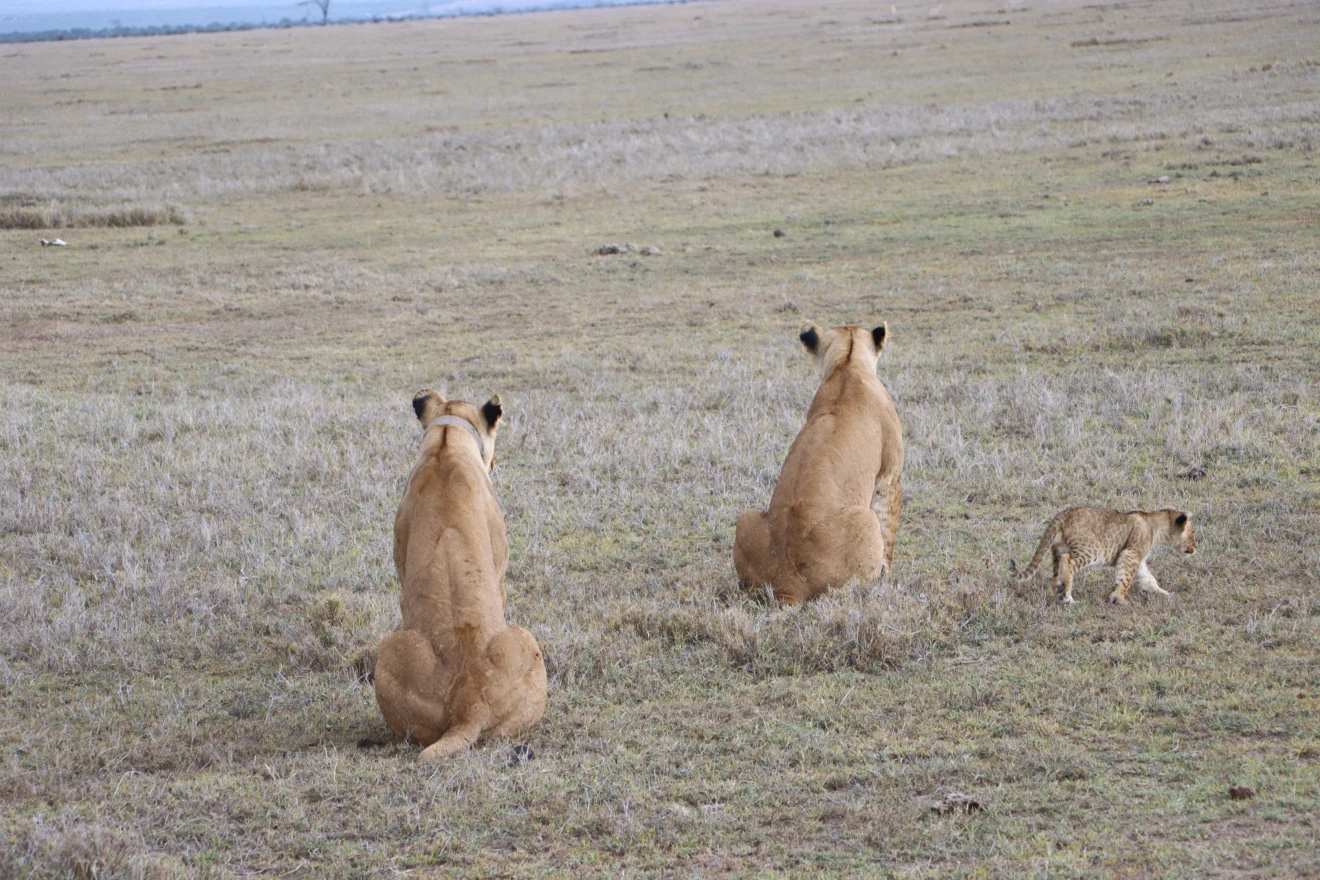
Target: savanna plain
(1090, 227)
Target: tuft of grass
(858, 628)
(73, 850)
(60, 216)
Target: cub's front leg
(1146, 580)
(1126, 569)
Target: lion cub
(1082, 537)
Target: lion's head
(1181, 533)
(831, 348)
(431, 407)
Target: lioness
(834, 513)
(455, 672)
(1082, 537)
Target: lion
(455, 673)
(1082, 537)
(833, 517)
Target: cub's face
(431, 405)
(1182, 528)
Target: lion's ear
(424, 401)
(492, 410)
(878, 336)
(810, 337)
(1181, 520)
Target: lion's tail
(1046, 540)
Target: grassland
(1090, 228)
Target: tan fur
(834, 513)
(455, 672)
(1086, 536)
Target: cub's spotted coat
(1086, 536)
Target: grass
(206, 430)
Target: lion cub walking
(1087, 536)
(456, 671)
(833, 516)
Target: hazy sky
(35, 6)
(30, 7)
(55, 15)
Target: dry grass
(1090, 231)
(28, 214)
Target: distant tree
(323, 5)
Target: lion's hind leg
(753, 557)
(887, 503)
(408, 688)
(847, 546)
(517, 689)
(1066, 567)
(1056, 582)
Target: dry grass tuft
(30, 213)
(75, 850)
(868, 629)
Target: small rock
(1241, 792)
(522, 753)
(1144, 203)
(1192, 473)
(1163, 178)
(650, 251)
(368, 742)
(57, 242)
(779, 233)
(626, 248)
(953, 802)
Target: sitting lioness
(834, 513)
(455, 672)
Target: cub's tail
(1047, 539)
